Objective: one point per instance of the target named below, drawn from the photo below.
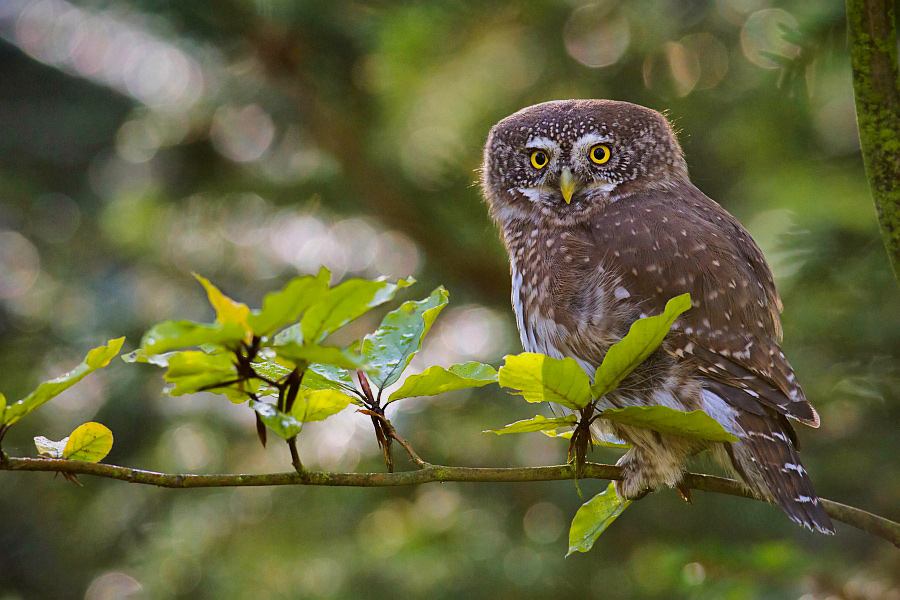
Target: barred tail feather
(768, 462)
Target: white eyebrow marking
(585, 142)
(542, 143)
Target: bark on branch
(866, 521)
(872, 35)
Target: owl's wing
(670, 242)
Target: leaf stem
(295, 456)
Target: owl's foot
(642, 474)
(626, 491)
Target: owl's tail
(768, 462)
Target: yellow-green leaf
(90, 442)
(593, 518)
(539, 378)
(285, 426)
(695, 424)
(438, 380)
(192, 371)
(171, 335)
(317, 405)
(345, 302)
(141, 356)
(95, 359)
(285, 306)
(644, 336)
(227, 310)
(538, 423)
(328, 355)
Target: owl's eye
(600, 154)
(539, 159)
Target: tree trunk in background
(873, 53)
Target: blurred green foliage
(142, 140)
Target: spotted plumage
(603, 226)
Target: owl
(603, 226)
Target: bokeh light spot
(242, 133)
(596, 35)
(762, 34)
(113, 586)
(544, 523)
(19, 264)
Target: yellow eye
(600, 154)
(539, 159)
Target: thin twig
(295, 456)
(412, 453)
(393, 433)
(866, 521)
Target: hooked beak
(567, 183)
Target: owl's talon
(628, 490)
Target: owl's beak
(567, 183)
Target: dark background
(251, 141)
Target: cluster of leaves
(276, 358)
(540, 378)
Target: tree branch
(865, 521)
(872, 35)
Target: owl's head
(564, 159)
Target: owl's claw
(629, 489)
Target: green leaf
(140, 356)
(317, 405)
(438, 380)
(329, 377)
(345, 302)
(593, 518)
(227, 310)
(540, 378)
(286, 306)
(270, 369)
(310, 405)
(282, 424)
(292, 334)
(329, 355)
(170, 335)
(90, 442)
(96, 359)
(538, 423)
(191, 371)
(644, 336)
(606, 440)
(696, 424)
(399, 337)
(566, 435)
(322, 377)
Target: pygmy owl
(603, 226)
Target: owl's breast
(564, 297)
